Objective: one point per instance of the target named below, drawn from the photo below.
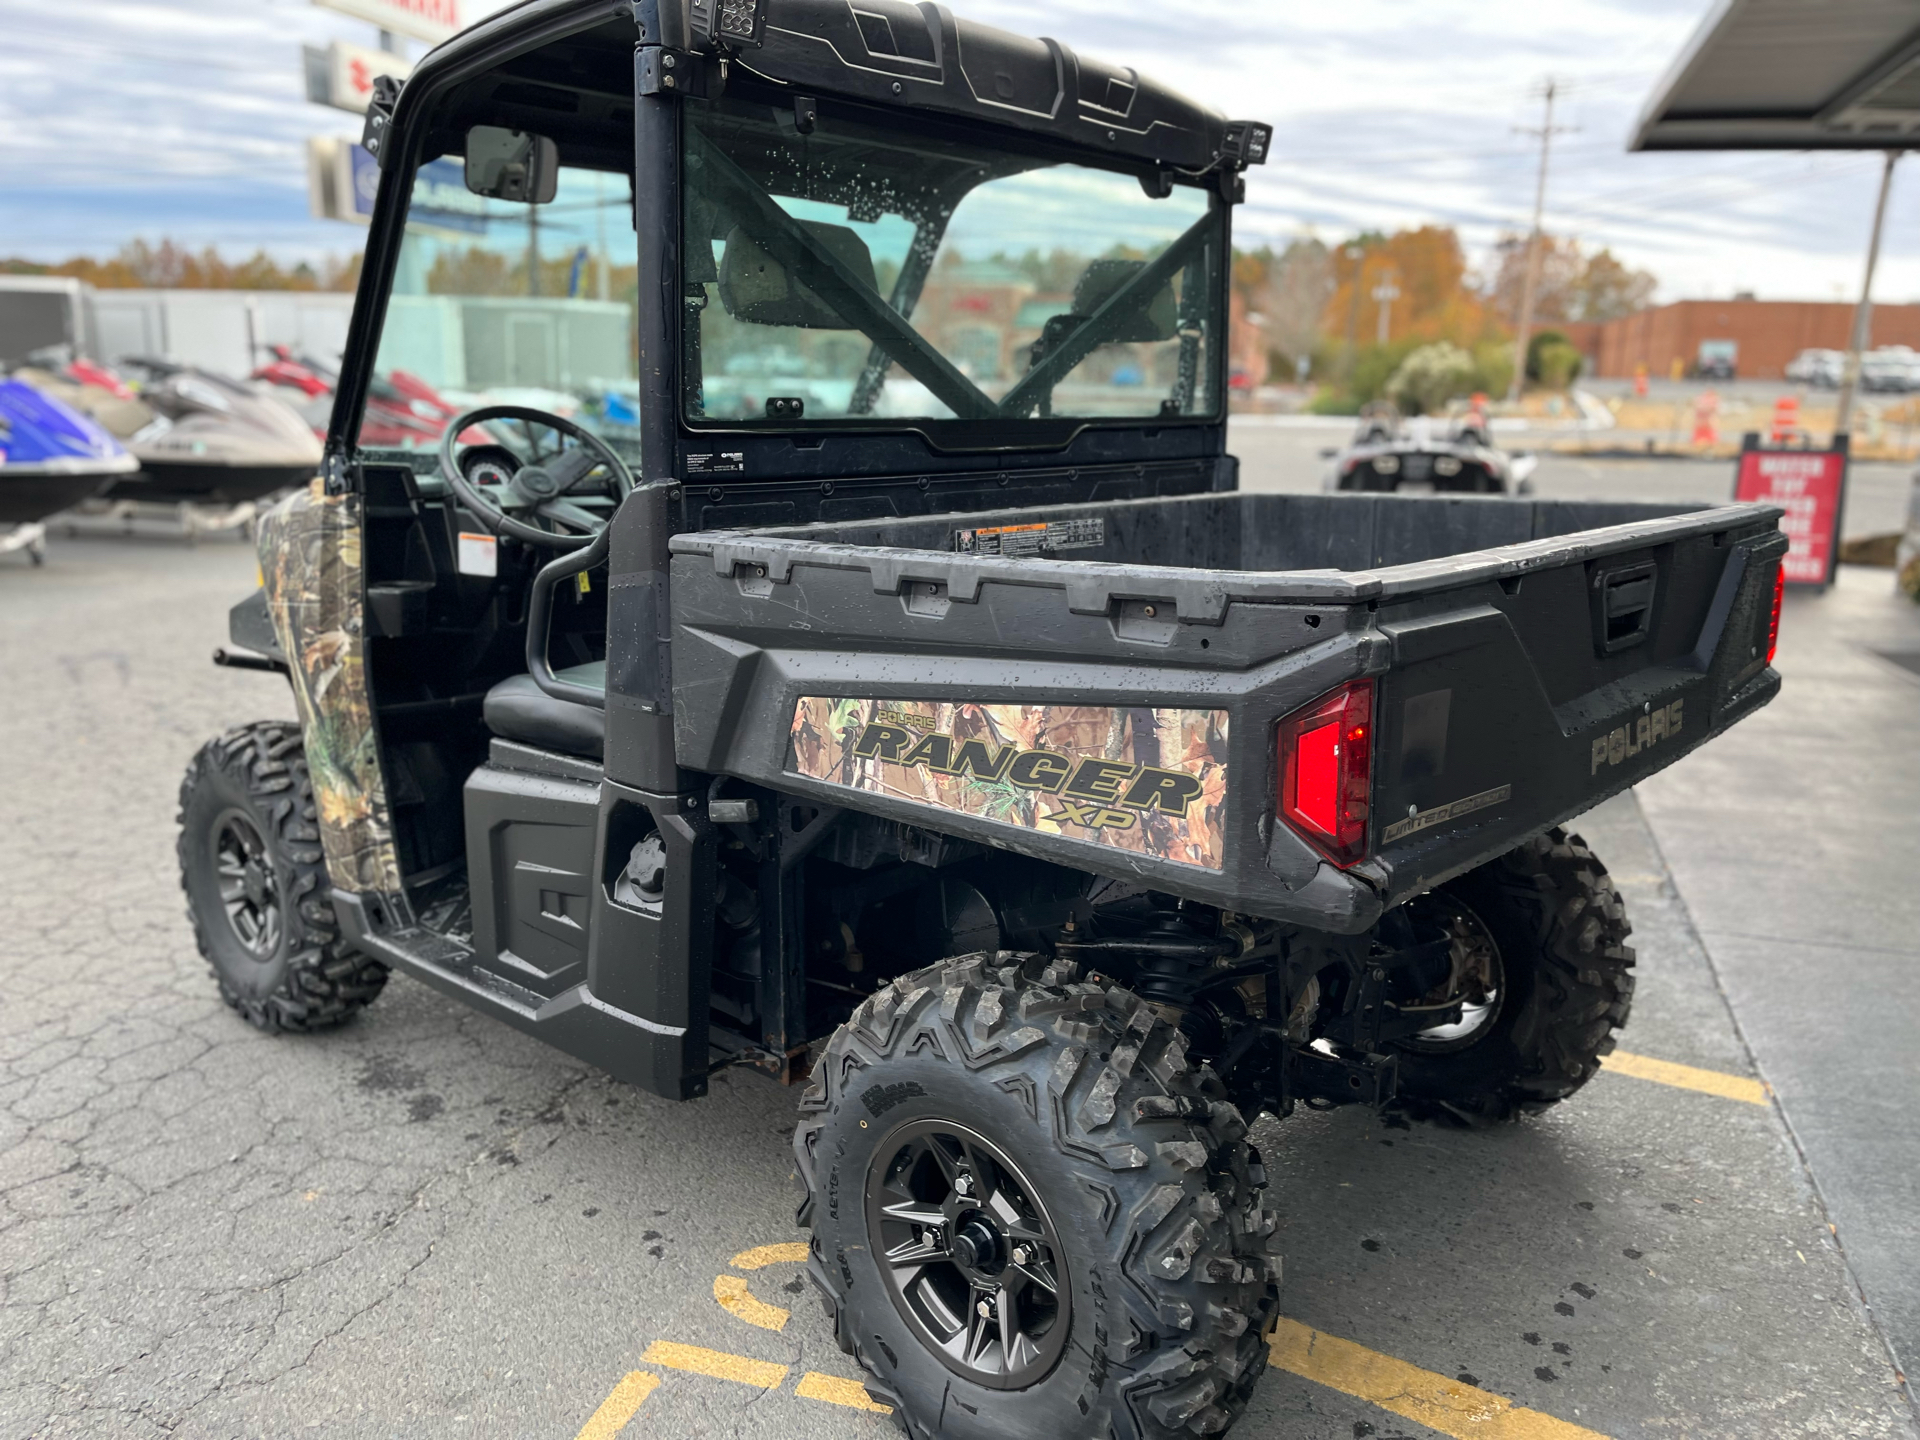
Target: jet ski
(402, 410)
(93, 390)
(1392, 456)
(51, 456)
(215, 440)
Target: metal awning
(1792, 75)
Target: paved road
(427, 1225)
(1287, 457)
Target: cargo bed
(1529, 657)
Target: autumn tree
(1429, 269)
(1573, 285)
(1608, 290)
(475, 270)
(1287, 292)
(142, 265)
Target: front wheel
(1542, 974)
(1032, 1215)
(256, 884)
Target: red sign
(1807, 484)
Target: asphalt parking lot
(1286, 453)
(428, 1225)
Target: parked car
(1818, 368)
(1718, 360)
(1891, 369)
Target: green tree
(1431, 376)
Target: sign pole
(1863, 312)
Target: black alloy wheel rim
(1478, 982)
(249, 889)
(971, 1259)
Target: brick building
(1768, 333)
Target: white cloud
(187, 117)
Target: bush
(1553, 360)
(1431, 376)
(1493, 366)
(1559, 365)
(1332, 400)
(1374, 367)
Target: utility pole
(1546, 132)
(1384, 294)
(1356, 256)
(533, 248)
(603, 289)
(1863, 312)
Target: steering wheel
(537, 490)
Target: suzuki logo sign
(351, 71)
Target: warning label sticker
(1040, 539)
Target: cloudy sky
(187, 118)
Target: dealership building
(1766, 334)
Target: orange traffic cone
(1705, 407)
(1786, 419)
(1640, 380)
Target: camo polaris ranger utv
(835, 646)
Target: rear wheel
(256, 884)
(1543, 977)
(1032, 1216)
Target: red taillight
(1773, 623)
(1326, 770)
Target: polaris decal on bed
(1642, 732)
(1132, 778)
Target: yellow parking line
(1452, 1407)
(835, 1391)
(1686, 1077)
(734, 1296)
(761, 1256)
(761, 1374)
(618, 1408)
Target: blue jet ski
(51, 456)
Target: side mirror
(756, 288)
(512, 165)
(1154, 320)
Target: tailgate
(1512, 706)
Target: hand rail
(540, 613)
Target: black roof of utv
(915, 56)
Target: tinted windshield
(852, 272)
(500, 302)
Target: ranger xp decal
(1153, 781)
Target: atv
(910, 708)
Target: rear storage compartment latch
(1623, 606)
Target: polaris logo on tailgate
(1639, 733)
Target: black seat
(518, 709)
